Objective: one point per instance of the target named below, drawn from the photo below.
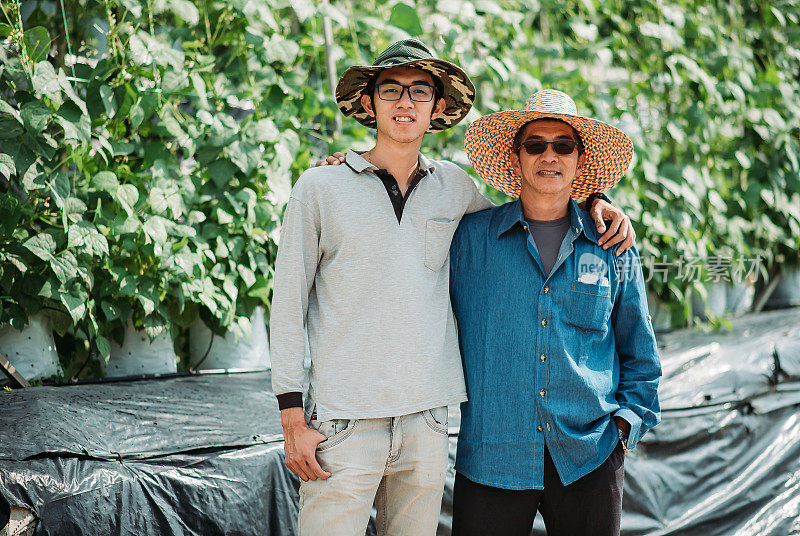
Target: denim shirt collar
(580, 221)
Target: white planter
(739, 297)
(32, 351)
(139, 355)
(715, 303)
(230, 352)
(787, 291)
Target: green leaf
(7, 109)
(42, 245)
(222, 171)
(108, 100)
(247, 276)
(10, 213)
(84, 235)
(244, 155)
(108, 182)
(156, 229)
(136, 115)
(112, 311)
(127, 195)
(174, 81)
(133, 6)
(182, 230)
(65, 266)
(74, 209)
(35, 115)
(37, 43)
(103, 347)
(75, 302)
(406, 17)
(147, 295)
(264, 131)
(7, 167)
(45, 81)
(33, 178)
(5, 30)
(185, 10)
(75, 123)
(60, 187)
(281, 50)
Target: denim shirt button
(541, 393)
(546, 290)
(538, 428)
(544, 322)
(542, 357)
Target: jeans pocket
(438, 235)
(335, 431)
(436, 419)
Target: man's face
(404, 120)
(549, 172)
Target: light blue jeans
(397, 463)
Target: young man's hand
(300, 445)
(620, 231)
(333, 160)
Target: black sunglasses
(562, 147)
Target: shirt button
(541, 393)
(576, 230)
(538, 428)
(542, 358)
(546, 290)
(544, 322)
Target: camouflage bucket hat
(458, 89)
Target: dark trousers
(590, 506)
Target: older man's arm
(639, 363)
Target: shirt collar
(358, 163)
(580, 221)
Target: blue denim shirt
(548, 360)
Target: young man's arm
(295, 269)
(639, 364)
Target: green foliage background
(147, 147)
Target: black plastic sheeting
(203, 455)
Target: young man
(560, 357)
(363, 264)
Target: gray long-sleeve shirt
(373, 292)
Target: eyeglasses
(562, 147)
(392, 91)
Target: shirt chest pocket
(438, 235)
(590, 307)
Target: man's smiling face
(404, 120)
(549, 172)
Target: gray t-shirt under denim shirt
(548, 235)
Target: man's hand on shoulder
(333, 160)
(300, 445)
(619, 231)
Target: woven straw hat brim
(459, 93)
(489, 139)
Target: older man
(559, 353)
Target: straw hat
(489, 139)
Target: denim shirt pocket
(438, 235)
(590, 307)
